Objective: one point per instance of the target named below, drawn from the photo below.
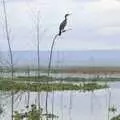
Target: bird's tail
(59, 32)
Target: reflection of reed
(17, 97)
(91, 104)
(52, 103)
(61, 105)
(109, 102)
(61, 81)
(28, 99)
(70, 105)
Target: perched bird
(63, 24)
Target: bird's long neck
(66, 18)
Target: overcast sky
(95, 24)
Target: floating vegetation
(35, 113)
(35, 78)
(113, 109)
(1, 110)
(93, 86)
(116, 117)
(21, 86)
(49, 115)
(45, 78)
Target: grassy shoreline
(20, 85)
(53, 79)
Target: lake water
(67, 58)
(68, 105)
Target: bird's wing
(63, 24)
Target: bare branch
(49, 69)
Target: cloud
(95, 24)
(18, 0)
(109, 31)
(86, 0)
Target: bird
(63, 24)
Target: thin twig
(49, 69)
(10, 51)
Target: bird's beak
(70, 14)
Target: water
(68, 105)
(67, 58)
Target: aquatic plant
(116, 117)
(93, 86)
(112, 109)
(21, 86)
(35, 113)
(1, 110)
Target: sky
(94, 24)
